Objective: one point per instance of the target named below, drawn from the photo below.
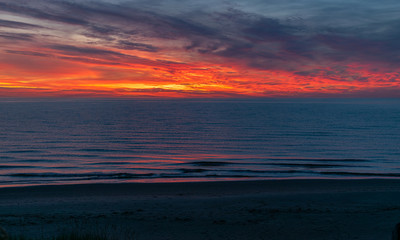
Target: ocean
(69, 141)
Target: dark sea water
(81, 141)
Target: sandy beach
(275, 209)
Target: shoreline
(266, 209)
(206, 188)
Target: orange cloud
(112, 50)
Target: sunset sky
(208, 48)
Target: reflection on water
(191, 140)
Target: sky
(208, 48)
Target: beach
(271, 209)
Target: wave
(81, 175)
(311, 165)
(15, 166)
(210, 163)
(363, 174)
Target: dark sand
(282, 209)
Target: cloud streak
(249, 48)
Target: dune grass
(84, 235)
(77, 230)
(74, 236)
(71, 236)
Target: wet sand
(275, 209)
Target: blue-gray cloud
(272, 34)
(14, 24)
(16, 36)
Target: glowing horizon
(213, 49)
